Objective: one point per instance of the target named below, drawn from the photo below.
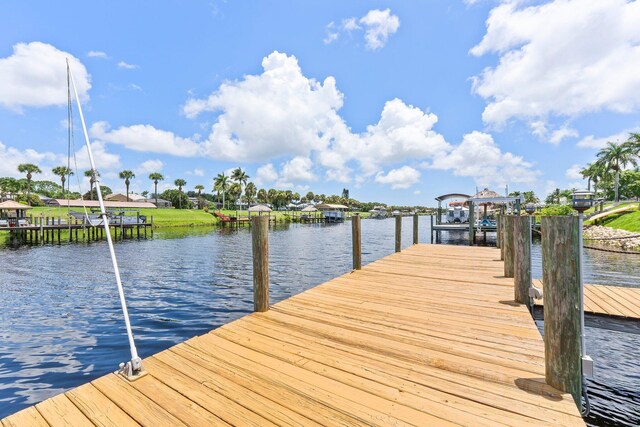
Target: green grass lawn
(628, 221)
(608, 205)
(175, 217)
(161, 217)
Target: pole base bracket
(131, 370)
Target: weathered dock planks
(428, 336)
(609, 300)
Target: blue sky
(399, 101)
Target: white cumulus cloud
(479, 157)
(276, 113)
(12, 157)
(559, 134)
(145, 138)
(196, 172)
(591, 141)
(403, 132)
(266, 174)
(97, 54)
(298, 169)
(377, 25)
(586, 59)
(103, 159)
(126, 66)
(574, 172)
(35, 75)
(332, 33)
(400, 178)
(150, 166)
(291, 125)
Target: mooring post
(498, 231)
(357, 242)
(398, 233)
(507, 243)
(431, 229)
(502, 220)
(561, 278)
(471, 223)
(260, 243)
(522, 258)
(415, 228)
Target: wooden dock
(38, 229)
(608, 300)
(428, 336)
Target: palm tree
(616, 157)
(634, 143)
(92, 180)
(593, 172)
(155, 177)
(221, 185)
(127, 175)
(262, 196)
(63, 172)
(530, 197)
(241, 177)
(30, 169)
(235, 190)
(180, 183)
(199, 187)
(250, 191)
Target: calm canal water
(61, 323)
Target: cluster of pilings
(562, 293)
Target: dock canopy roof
(259, 208)
(10, 205)
(95, 204)
(327, 206)
(489, 196)
(452, 196)
(309, 209)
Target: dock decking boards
(428, 336)
(608, 300)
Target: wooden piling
(507, 243)
(398, 233)
(357, 242)
(498, 232)
(431, 229)
(260, 244)
(561, 278)
(472, 223)
(522, 258)
(415, 228)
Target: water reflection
(61, 320)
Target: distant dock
(43, 229)
(614, 301)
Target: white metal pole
(135, 359)
(531, 303)
(581, 259)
